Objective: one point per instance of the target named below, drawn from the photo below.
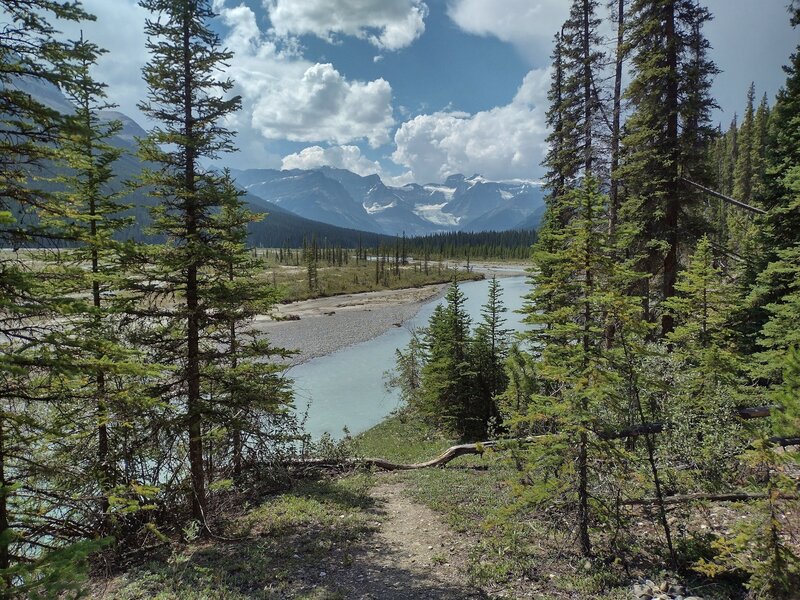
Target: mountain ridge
(343, 198)
(332, 203)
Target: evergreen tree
(490, 349)
(568, 340)
(705, 433)
(666, 133)
(614, 196)
(773, 300)
(186, 97)
(39, 377)
(109, 395)
(740, 226)
(759, 545)
(448, 377)
(249, 396)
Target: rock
(663, 587)
(643, 591)
(676, 590)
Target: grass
(351, 278)
(268, 551)
(513, 549)
(279, 545)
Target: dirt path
(411, 556)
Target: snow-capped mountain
(343, 198)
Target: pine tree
(758, 158)
(705, 434)
(568, 340)
(614, 196)
(743, 173)
(448, 376)
(92, 265)
(666, 134)
(758, 545)
(773, 300)
(490, 349)
(249, 396)
(39, 522)
(186, 98)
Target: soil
(411, 556)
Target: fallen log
(746, 413)
(479, 448)
(784, 441)
(681, 498)
(387, 465)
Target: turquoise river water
(346, 389)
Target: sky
(414, 90)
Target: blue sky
(412, 89)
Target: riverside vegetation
(142, 416)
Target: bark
(387, 465)
(450, 454)
(672, 192)
(193, 408)
(685, 498)
(5, 555)
(613, 207)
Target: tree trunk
(5, 554)
(587, 93)
(193, 400)
(672, 188)
(613, 207)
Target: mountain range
(345, 199)
(337, 204)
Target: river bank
(322, 326)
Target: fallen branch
(727, 199)
(387, 465)
(745, 413)
(480, 447)
(681, 498)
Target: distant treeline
(450, 245)
(484, 244)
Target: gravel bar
(315, 335)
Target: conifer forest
(655, 380)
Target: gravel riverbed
(322, 326)
(325, 325)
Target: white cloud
(288, 97)
(119, 29)
(506, 142)
(323, 105)
(528, 24)
(387, 24)
(343, 157)
(339, 157)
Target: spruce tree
(448, 377)
(568, 342)
(666, 135)
(186, 98)
(40, 521)
(773, 300)
(705, 434)
(248, 395)
(490, 349)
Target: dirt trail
(411, 556)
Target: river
(346, 388)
